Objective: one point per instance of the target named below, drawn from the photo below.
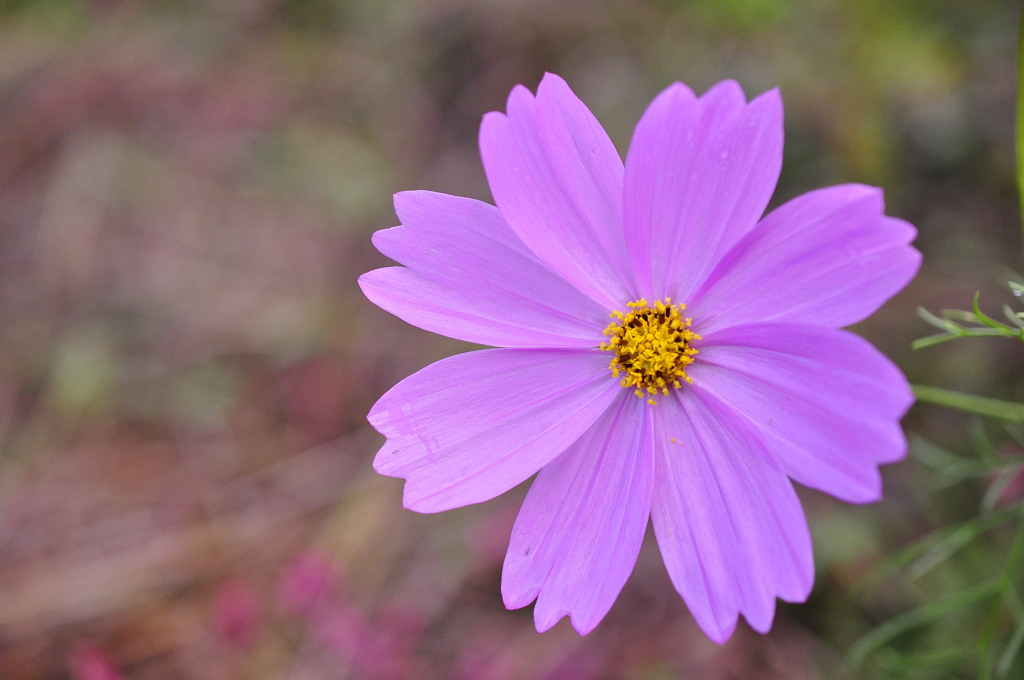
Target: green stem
(982, 406)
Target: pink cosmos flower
(665, 351)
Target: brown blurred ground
(186, 196)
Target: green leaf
(1016, 318)
(984, 318)
(931, 340)
(938, 321)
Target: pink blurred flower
(89, 662)
(306, 580)
(341, 628)
(1008, 482)
(1013, 492)
(381, 648)
(236, 613)
(753, 386)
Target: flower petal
(826, 402)
(557, 179)
(830, 257)
(699, 175)
(469, 277)
(472, 426)
(729, 525)
(579, 532)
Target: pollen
(652, 346)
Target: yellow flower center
(652, 346)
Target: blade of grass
(1014, 317)
(947, 541)
(1010, 652)
(910, 665)
(983, 406)
(1006, 592)
(883, 634)
(1013, 647)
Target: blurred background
(187, 193)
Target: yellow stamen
(652, 345)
